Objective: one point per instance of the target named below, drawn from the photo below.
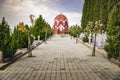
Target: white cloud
(16, 11)
(14, 5)
(74, 18)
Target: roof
(60, 17)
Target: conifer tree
(108, 12)
(7, 41)
(113, 32)
(39, 28)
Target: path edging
(4, 66)
(117, 62)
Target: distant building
(60, 24)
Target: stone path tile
(61, 59)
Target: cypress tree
(108, 12)
(7, 41)
(94, 10)
(113, 31)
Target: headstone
(38, 38)
(82, 35)
(89, 38)
(101, 40)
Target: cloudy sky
(16, 11)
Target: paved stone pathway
(61, 59)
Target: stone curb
(117, 62)
(4, 66)
(90, 47)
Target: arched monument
(60, 24)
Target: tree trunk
(1, 57)
(71, 37)
(93, 52)
(119, 55)
(77, 39)
(45, 37)
(29, 45)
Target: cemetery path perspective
(61, 59)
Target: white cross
(61, 28)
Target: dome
(60, 17)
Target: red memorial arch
(60, 24)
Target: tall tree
(94, 10)
(108, 11)
(4, 36)
(7, 41)
(104, 10)
(113, 31)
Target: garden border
(16, 57)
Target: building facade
(60, 24)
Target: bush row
(10, 42)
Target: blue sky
(16, 11)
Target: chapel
(60, 24)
